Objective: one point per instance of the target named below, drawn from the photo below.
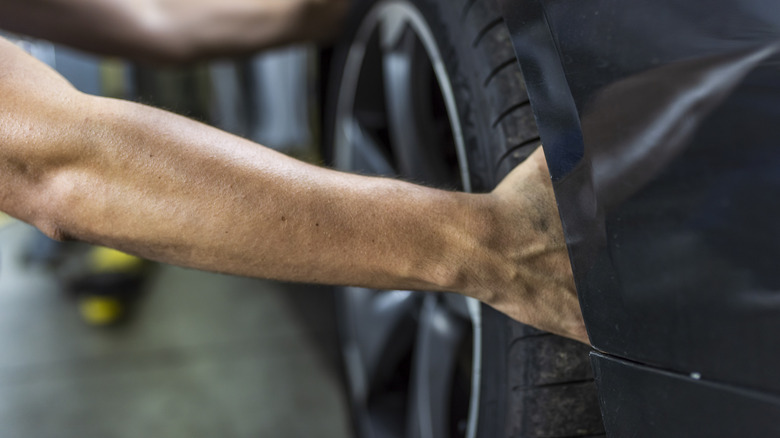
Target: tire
(519, 382)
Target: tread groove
(481, 34)
(576, 436)
(509, 152)
(466, 8)
(497, 70)
(520, 352)
(509, 111)
(552, 385)
(522, 338)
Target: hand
(536, 286)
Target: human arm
(167, 188)
(174, 30)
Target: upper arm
(174, 30)
(40, 129)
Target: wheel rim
(413, 360)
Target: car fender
(659, 123)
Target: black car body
(660, 121)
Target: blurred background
(96, 343)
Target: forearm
(174, 190)
(174, 30)
(171, 189)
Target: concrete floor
(204, 356)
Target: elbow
(54, 231)
(53, 208)
(46, 218)
(39, 193)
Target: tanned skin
(167, 188)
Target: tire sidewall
(484, 147)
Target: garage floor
(205, 356)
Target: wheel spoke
(457, 304)
(364, 153)
(410, 365)
(440, 336)
(414, 133)
(382, 330)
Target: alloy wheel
(412, 359)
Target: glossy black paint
(639, 402)
(661, 124)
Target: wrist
(472, 258)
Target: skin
(167, 188)
(175, 31)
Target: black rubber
(533, 384)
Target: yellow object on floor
(5, 220)
(97, 310)
(103, 259)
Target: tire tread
(553, 394)
(496, 70)
(540, 385)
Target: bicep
(39, 129)
(30, 91)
